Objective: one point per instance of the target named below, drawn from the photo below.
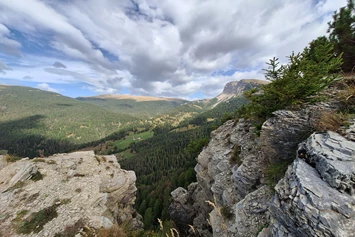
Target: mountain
(29, 118)
(237, 88)
(294, 176)
(139, 106)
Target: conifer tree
(342, 35)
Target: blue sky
(187, 49)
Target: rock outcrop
(229, 170)
(315, 197)
(237, 88)
(83, 186)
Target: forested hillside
(135, 106)
(35, 122)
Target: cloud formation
(46, 87)
(4, 68)
(59, 65)
(163, 48)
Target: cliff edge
(233, 195)
(46, 196)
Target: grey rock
(316, 209)
(26, 171)
(101, 194)
(334, 158)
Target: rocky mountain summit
(237, 88)
(46, 196)
(233, 195)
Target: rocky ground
(80, 186)
(315, 197)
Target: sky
(184, 49)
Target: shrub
(295, 83)
(37, 176)
(234, 159)
(226, 212)
(11, 158)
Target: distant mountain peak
(237, 88)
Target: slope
(139, 106)
(28, 114)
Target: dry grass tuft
(328, 121)
(114, 231)
(11, 158)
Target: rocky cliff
(57, 192)
(233, 195)
(237, 88)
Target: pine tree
(299, 81)
(342, 35)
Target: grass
(3, 152)
(36, 221)
(140, 109)
(18, 185)
(114, 231)
(37, 176)
(71, 230)
(11, 158)
(234, 159)
(276, 171)
(123, 144)
(330, 121)
(226, 212)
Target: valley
(157, 138)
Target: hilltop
(29, 117)
(139, 106)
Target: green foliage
(3, 152)
(226, 117)
(139, 109)
(234, 158)
(275, 171)
(226, 212)
(36, 123)
(297, 82)
(36, 221)
(37, 176)
(11, 158)
(342, 35)
(197, 145)
(162, 164)
(72, 230)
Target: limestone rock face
(228, 169)
(316, 196)
(237, 88)
(91, 188)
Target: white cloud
(7, 45)
(46, 87)
(4, 68)
(162, 48)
